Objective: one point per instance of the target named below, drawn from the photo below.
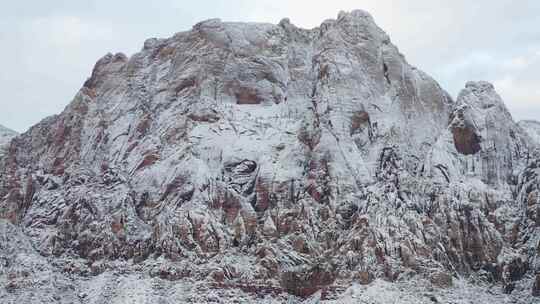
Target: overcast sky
(48, 48)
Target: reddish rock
(148, 160)
(364, 277)
(359, 120)
(466, 140)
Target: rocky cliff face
(270, 160)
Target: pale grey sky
(48, 48)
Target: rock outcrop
(276, 160)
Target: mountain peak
(356, 14)
(483, 96)
(271, 160)
(479, 85)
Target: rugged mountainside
(245, 160)
(531, 127)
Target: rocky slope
(248, 160)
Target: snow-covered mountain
(532, 127)
(244, 161)
(5, 138)
(6, 135)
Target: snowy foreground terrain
(262, 163)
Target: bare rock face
(466, 138)
(277, 160)
(486, 141)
